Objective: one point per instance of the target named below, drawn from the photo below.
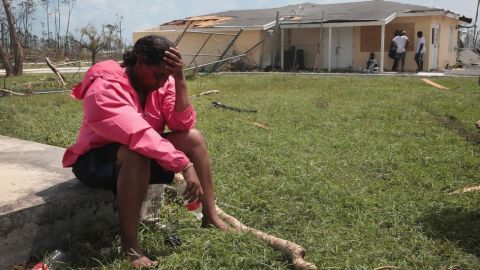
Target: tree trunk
(94, 56)
(18, 68)
(70, 7)
(6, 62)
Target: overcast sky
(142, 14)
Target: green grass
(355, 169)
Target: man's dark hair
(150, 48)
(419, 34)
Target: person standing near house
(122, 144)
(402, 44)
(420, 51)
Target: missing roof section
(199, 21)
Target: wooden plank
(465, 190)
(436, 85)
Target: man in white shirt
(401, 42)
(420, 50)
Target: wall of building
(191, 43)
(415, 24)
(448, 41)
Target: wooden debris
(465, 190)
(295, 251)
(441, 87)
(387, 267)
(11, 92)
(254, 123)
(60, 77)
(208, 93)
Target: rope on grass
(295, 251)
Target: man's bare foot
(215, 222)
(138, 260)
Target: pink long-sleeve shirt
(113, 114)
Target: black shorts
(96, 169)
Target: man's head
(403, 33)
(419, 34)
(147, 61)
(372, 55)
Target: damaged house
(314, 37)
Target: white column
(330, 49)
(382, 49)
(282, 48)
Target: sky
(143, 14)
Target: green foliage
(355, 169)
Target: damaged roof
(375, 10)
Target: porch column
(282, 48)
(330, 49)
(382, 49)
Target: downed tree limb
(208, 93)
(60, 77)
(387, 267)
(11, 92)
(295, 251)
(465, 190)
(436, 85)
(254, 123)
(228, 107)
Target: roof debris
(200, 21)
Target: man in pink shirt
(122, 144)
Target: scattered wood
(296, 252)
(477, 124)
(441, 87)
(208, 93)
(465, 190)
(254, 123)
(11, 92)
(60, 77)
(387, 267)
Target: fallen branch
(228, 107)
(60, 77)
(465, 190)
(387, 267)
(254, 123)
(11, 92)
(441, 87)
(295, 251)
(208, 93)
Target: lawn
(355, 169)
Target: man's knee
(196, 138)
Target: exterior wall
(448, 42)
(306, 40)
(447, 55)
(191, 43)
(420, 24)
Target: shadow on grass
(458, 226)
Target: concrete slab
(43, 206)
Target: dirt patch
(452, 123)
(321, 104)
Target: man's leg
(395, 63)
(193, 145)
(132, 184)
(403, 62)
